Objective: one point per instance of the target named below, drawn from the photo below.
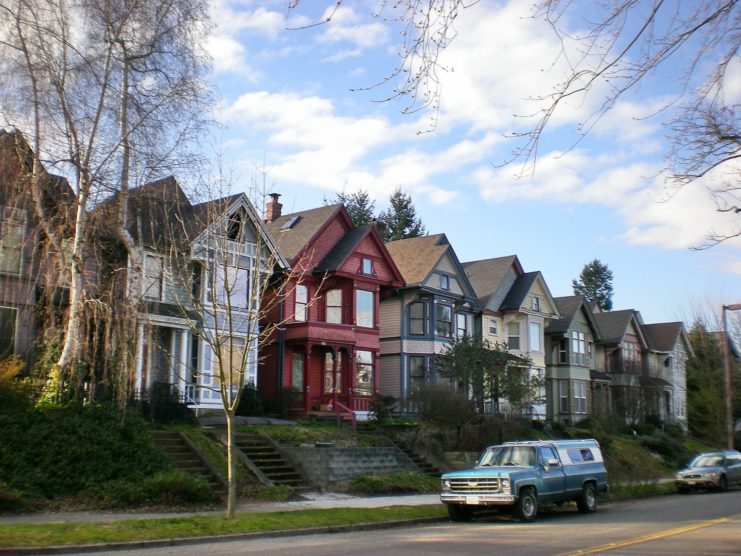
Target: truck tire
(526, 507)
(587, 501)
(458, 512)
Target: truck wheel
(459, 513)
(526, 507)
(587, 502)
(683, 490)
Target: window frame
(563, 396)
(538, 327)
(369, 262)
(413, 319)
(460, 332)
(335, 308)
(297, 370)
(15, 220)
(364, 366)
(535, 303)
(442, 324)
(493, 322)
(444, 282)
(511, 336)
(365, 322)
(149, 280)
(301, 306)
(11, 337)
(417, 370)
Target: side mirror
(553, 462)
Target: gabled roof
(487, 275)
(293, 232)
(568, 306)
(613, 325)
(662, 336)
(417, 257)
(519, 290)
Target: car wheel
(526, 507)
(683, 490)
(587, 502)
(459, 513)
(723, 484)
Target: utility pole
(727, 373)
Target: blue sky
(287, 107)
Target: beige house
(517, 306)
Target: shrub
(382, 408)
(389, 483)
(170, 488)
(250, 404)
(63, 450)
(443, 405)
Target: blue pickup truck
(523, 475)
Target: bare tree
(114, 88)
(623, 45)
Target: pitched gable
(316, 229)
(492, 279)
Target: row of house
(361, 318)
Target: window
(563, 396)
(416, 371)
(563, 351)
(461, 327)
(493, 327)
(232, 285)
(367, 267)
(302, 299)
(364, 373)
(331, 386)
(513, 335)
(152, 286)
(12, 224)
(536, 303)
(234, 228)
(334, 306)
(7, 331)
(580, 396)
(630, 352)
(365, 305)
(444, 282)
(197, 282)
(547, 454)
(534, 336)
(232, 357)
(417, 319)
(578, 348)
(443, 320)
(297, 371)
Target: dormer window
(234, 228)
(444, 282)
(536, 304)
(367, 267)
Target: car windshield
(707, 461)
(523, 456)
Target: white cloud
(347, 26)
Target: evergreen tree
(401, 218)
(706, 411)
(358, 205)
(595, 284)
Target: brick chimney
(272, 207)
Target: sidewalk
(312, 500)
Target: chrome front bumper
(471, 499)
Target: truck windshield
(522, 456)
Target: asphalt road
(701, 523)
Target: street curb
(86, 548)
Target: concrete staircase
(186, 458)
(424, 466)
(261, 452)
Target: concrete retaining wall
(327, 466)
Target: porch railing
(341, 409)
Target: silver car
(710, 470)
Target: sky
(302, 118)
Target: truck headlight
(712, 474)
(445, 484)
(505, 485)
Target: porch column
(351, 377)
(334, 378)
(307, 385)
(182, 371)
(139, 359)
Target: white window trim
(144, 289)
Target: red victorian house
(327, 351)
